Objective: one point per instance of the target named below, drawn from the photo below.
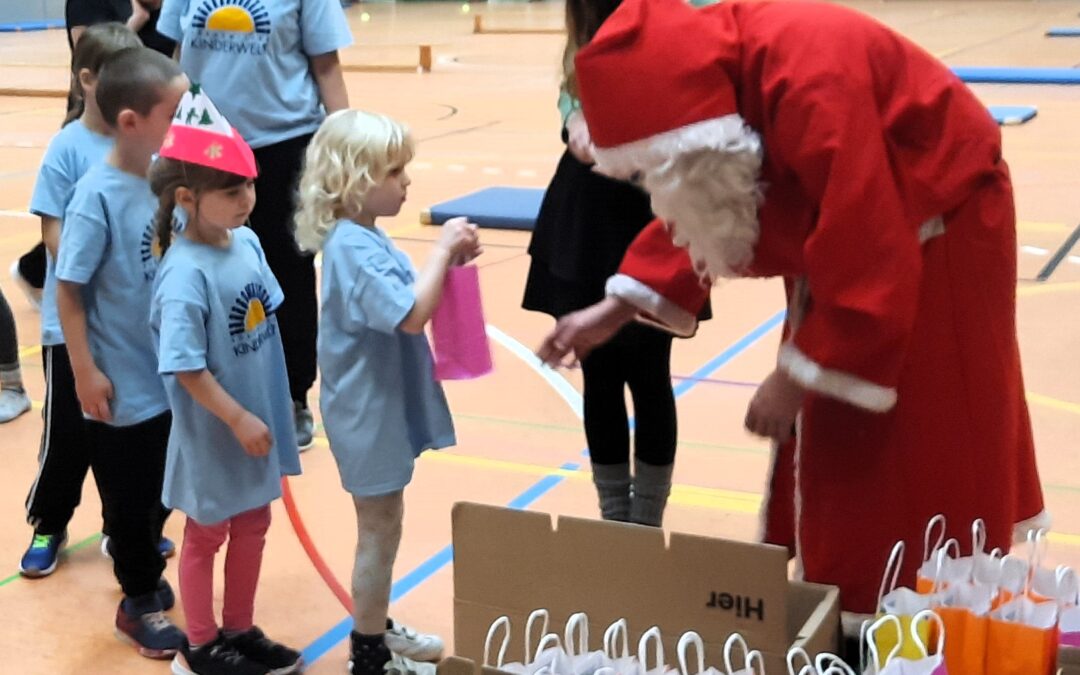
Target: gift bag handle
(892, 572)
(931, 527)
(691, 638)
(1038, 543)
(994, 555)
(942, 556)
(928, 615)
(875, 658)
(547, 642)
(798, 653)
(755, 662)
(504, 623)
(617, 630)
(578, 622)
(1068, 585)
(733, 641)
(827, 663)
(536, 614)
(978, 536)
(651, 635)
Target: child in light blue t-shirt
(64, 460)
(219, 350)
(272, 67)
(105, 274)
(381, 406)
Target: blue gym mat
(22, 26)
(502, 208)
(1063, 31)
(1012, 114)
(998, 75)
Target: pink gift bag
(458, 334)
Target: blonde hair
(352, 152)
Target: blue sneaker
(166, 547)
(142, 623)
(41, 558)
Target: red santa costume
(808, 141)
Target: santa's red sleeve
(863, 258)
(658, 279)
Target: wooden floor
(486, 116)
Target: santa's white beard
(710, 200)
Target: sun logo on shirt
(250, 310)
(233, 16)
(150, 247)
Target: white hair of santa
(703, 181)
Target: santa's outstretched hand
(584, 330)
(774, 407)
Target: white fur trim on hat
(657, 309)
(834, 383)
(728, 134)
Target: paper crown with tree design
(201, 135)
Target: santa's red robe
(889, 211)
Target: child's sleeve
(380, 299)
(180, 314)
(323, 27)
(54, 184)
(169, 20)
(84, 238)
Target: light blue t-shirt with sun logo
(381, 405)
(69, 156)
(108, 246)
(251, 58)
(214, 309)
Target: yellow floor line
(1044, 289)
(1056, 404)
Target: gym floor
(486, 116)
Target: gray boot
(649, 495)
(613, 485)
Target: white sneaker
(33, 295)
(12, 404)
(407, 642)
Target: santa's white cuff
(1040, 521)
(655, 308)
(834, 383)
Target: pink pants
(247, 536)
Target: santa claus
(809, 142)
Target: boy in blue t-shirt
(105, 273)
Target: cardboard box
(509, 562)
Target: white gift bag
(652, 637)
(620, 660)
(688, 640)
(752, 662)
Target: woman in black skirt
(585, 225)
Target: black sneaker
(214, 658)
(278, 659)
(141, 623)
(165, 595)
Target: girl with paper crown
(219, 351)
(809, 142)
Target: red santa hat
(652, 86)
(201, 135)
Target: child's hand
(253, 435)
(461, 240)
(95, 390)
